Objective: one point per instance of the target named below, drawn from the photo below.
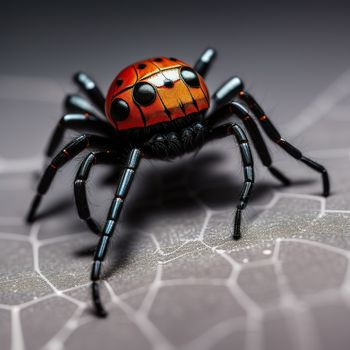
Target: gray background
(175, 279)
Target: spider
(157, 109)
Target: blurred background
(286, 52)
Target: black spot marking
(172, 59)
(190, 77)
(168, 83)
(119, 110)
(141, 66)
(158, 59)
(119, 82)
(144, 94)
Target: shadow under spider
(164, 189)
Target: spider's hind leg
(275, 136)
(225, 108)
(90, 88)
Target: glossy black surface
(190, 77)
(144, 94)
(205, 61)
(91, 89)
(119, 109)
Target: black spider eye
(119, 110)
(190, 77)
(144, 94)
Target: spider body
(158, 108)
(155, 91)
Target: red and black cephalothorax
(156, 108)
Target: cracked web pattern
(175, 278)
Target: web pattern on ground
(184, 283)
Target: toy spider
(157, 108)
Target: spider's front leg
(81, 178)
(248, 167)
(109, 227)
(67, 153)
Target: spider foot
(237, 225)
(30, 218)
(99, 309)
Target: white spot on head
(158, 78)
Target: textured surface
(175, 278)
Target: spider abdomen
(154, 91)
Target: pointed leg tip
(287, 182)
(236, 237)
(101, 313)
(29, 219)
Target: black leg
(111, 222)
(275, 136)
(85, 122)
(91, 90)
(234, 108)
(228, 91)
(90, 160)
(205, 61)
(78, 104)
(248, 168)
(68, 153)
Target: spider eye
(144, 94)
(119, 109)
(190, 77)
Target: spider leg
(248, 167)
(205, 61)
(68, 153)
(234, 108)
(275, 136)
(86, 122)
(74, 103)
(81, 178)
(90, 88)
(229, 90)
(111, 222)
